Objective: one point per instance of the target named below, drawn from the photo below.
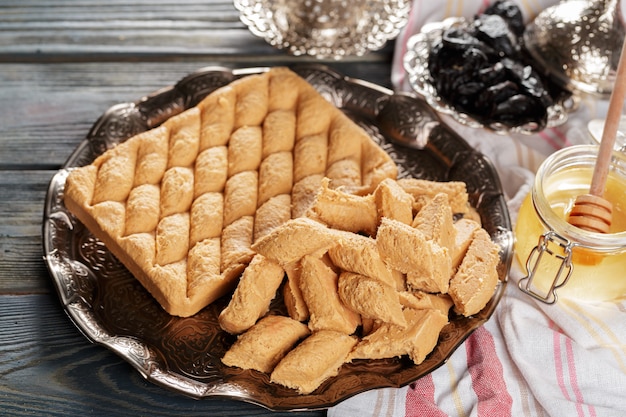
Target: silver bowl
(325, 28)
(421, 81)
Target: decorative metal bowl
(420, 80)
(325, 28)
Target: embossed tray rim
(155, 108)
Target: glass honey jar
(561, 260)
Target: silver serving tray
(112, 309)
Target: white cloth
(530, 358)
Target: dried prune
(490, 75)
(478, 68)
(495, 32)
(519, 108)
(508, 10)
(459, 38)
(491, 97)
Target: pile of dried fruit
(480, 70)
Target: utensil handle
(616, 103)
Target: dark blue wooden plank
(47, 368)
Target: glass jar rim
(579, 155)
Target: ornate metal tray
(183, 354)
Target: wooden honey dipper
(592, 211)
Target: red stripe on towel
(420, 399)
(558, 363)
(486, 3)
(571, 370)
(549, 139)
(487, 375)
(561, 135)
(571, 364)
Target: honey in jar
(562, 260)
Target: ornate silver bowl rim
(325, 28)
(113, 310)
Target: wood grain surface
(62, 64)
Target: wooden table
(62, 64)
